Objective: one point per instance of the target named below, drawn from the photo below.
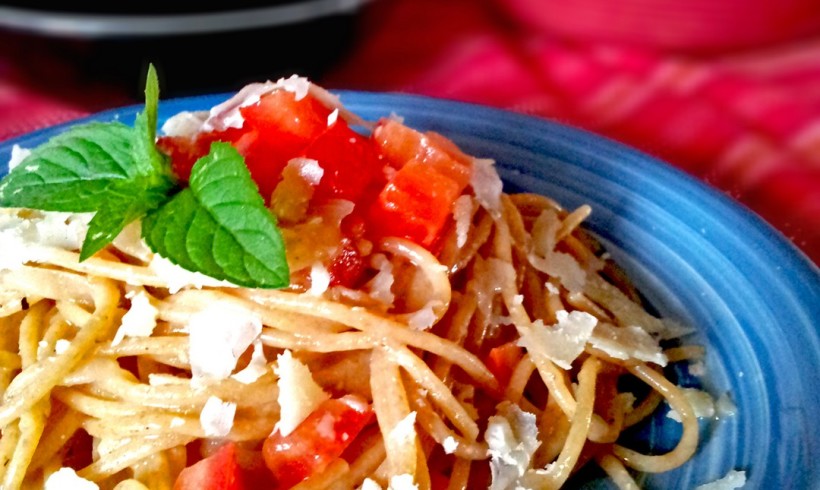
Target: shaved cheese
(216, 417)
(404, 432)
(61, 346)
(546, 259)
(256, 368)
(299, 395)
(563, 342)
(733, 480)
(18, 154)
(487, 186)
(725, 407)
(512, 438)
(140, 319)
(697, 369)
(381, 284)
(218, 335)
(449, 444)
(625, 310)
(67, 479)
(702, 404)
(177, 278)
(319, 279)
(463, 217)
(402, 482)
(185, 124)
(369, 484)
(27, 239)
(130, 241)
(425, 317)
(332, 117)
(627, 343)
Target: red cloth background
(728, 91)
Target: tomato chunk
(502, 360)
(415, 204)
(349, 161)
(220, 471)
(317, 441)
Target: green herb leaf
(220, 226)
(108, 168)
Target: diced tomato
(220, 471)
(415, 204)
(502, 360)
(400, 144)
(317, 441)
(184, 152)
(349, 161)
(347, 267)
(295, 123)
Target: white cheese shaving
(332, 117)
(381, 284)
(402, 482)
(546, 259)
(130, 242)
(733, 480)
(449, 444)
(185, 124)
(487, 186)
(216, 417)
(404, 432)
(308, 168)
(27, 239)
(299, 395)
(18, 154)
(140, 319)
(218, 335)
(369, 484)
(61, 346)
(425, 317)
(67, 479)
(627, 343)
(463, 216)
(176, 278)
(257, 366)
(563, 342)
(319, 279)
(702, 404)
(725, 407)
(697, 369)
(512, 438)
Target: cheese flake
(512, 438)
(140, 319)
(257, 366)
(402, 482)
(733, 480)
(563, 342)
(629, 342)
(299, 395)
(67, 479)
(18, 154)
(216, 417)
(217, 336)
(702, 404)
(449, 444)
(319, 279)
(487, 186)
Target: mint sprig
(218, 226)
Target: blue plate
(699, 258)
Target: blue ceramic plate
(697, 256)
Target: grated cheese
(177, 278)
(299, 395)
(369, 484)
(257, 366)
(381, 284)
(218, 335)
(702, 404)
(18, 154)
(140, 319)
(185, 124)
(402, 482)
(733, 480)
(563, 342)
(130, 242)
(61, 346)
(487, 186)
(449, 444)
(67, 479)
(332, 117)
(512, 438)
(319, 279)
(216, 417)
(627, 343)
(425, 317)
(463, 216)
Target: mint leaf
(110, 169)
(220, 226)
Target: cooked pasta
(493, 357)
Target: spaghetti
(492, 357)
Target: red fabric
(746, 121)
